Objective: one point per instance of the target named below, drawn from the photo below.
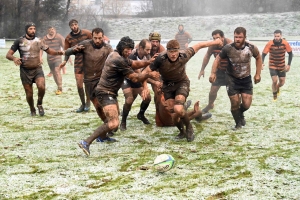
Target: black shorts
(53, 65)
(221, 79)
(238, 86)
(28, 76)
(129, 84)
(106, 99)
(90, 88)
(275, 72)
(171, 90)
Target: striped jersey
(277, 53)
(56, 43)
(215, 50)
(183, 37)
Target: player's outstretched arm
(204, 44)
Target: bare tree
(116, 7)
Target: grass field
(39, 157)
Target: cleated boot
(80, 109)
(58, 92)
(190, 136)
(41, 110)
(107, 139)
(123, 126)
(85, 147)
(143, 118)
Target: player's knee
(113, 124)
(129, 100)
(178, 109)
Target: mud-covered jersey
(56, 43)
(172, 71)
(115, 69)
(215, 50)
(277, 53)
(29, 50)
(73, 39)
(239, 59)
(93, 58)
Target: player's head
(144, 47)
(240, 37)
(217, 34)
(277, 35)
(51, 30)
(180, 27)
(73, 24)
(97, 36)
(173, 50)
(155, 39)
(125, 46)
(30, 29)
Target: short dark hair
(143, 43)
(215, 32)
(173, 44)
(73, 21)
(278, 31)
(239, 30)
(180, 25)
(51, 27)
(125, 42)
(97, 30)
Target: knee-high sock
(81, 95)
(144, 106)
(236, 115)
(125, 112)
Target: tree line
(15, 13)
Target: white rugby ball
(163, 162)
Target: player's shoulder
(227, 40)
(86, 31)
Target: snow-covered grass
(39, 157)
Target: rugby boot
(85, 147)
(238, 126)
(143, 118)
(187, 104)
(107, 139)
(206, 116)
(32, 113)
(190, 136)
(58, 92)
(80, 109)
(207, 108)
(123, 126)
(87, 106)
(41, 110)
(182, 133)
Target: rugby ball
(163, 162)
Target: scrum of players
(132, 67)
